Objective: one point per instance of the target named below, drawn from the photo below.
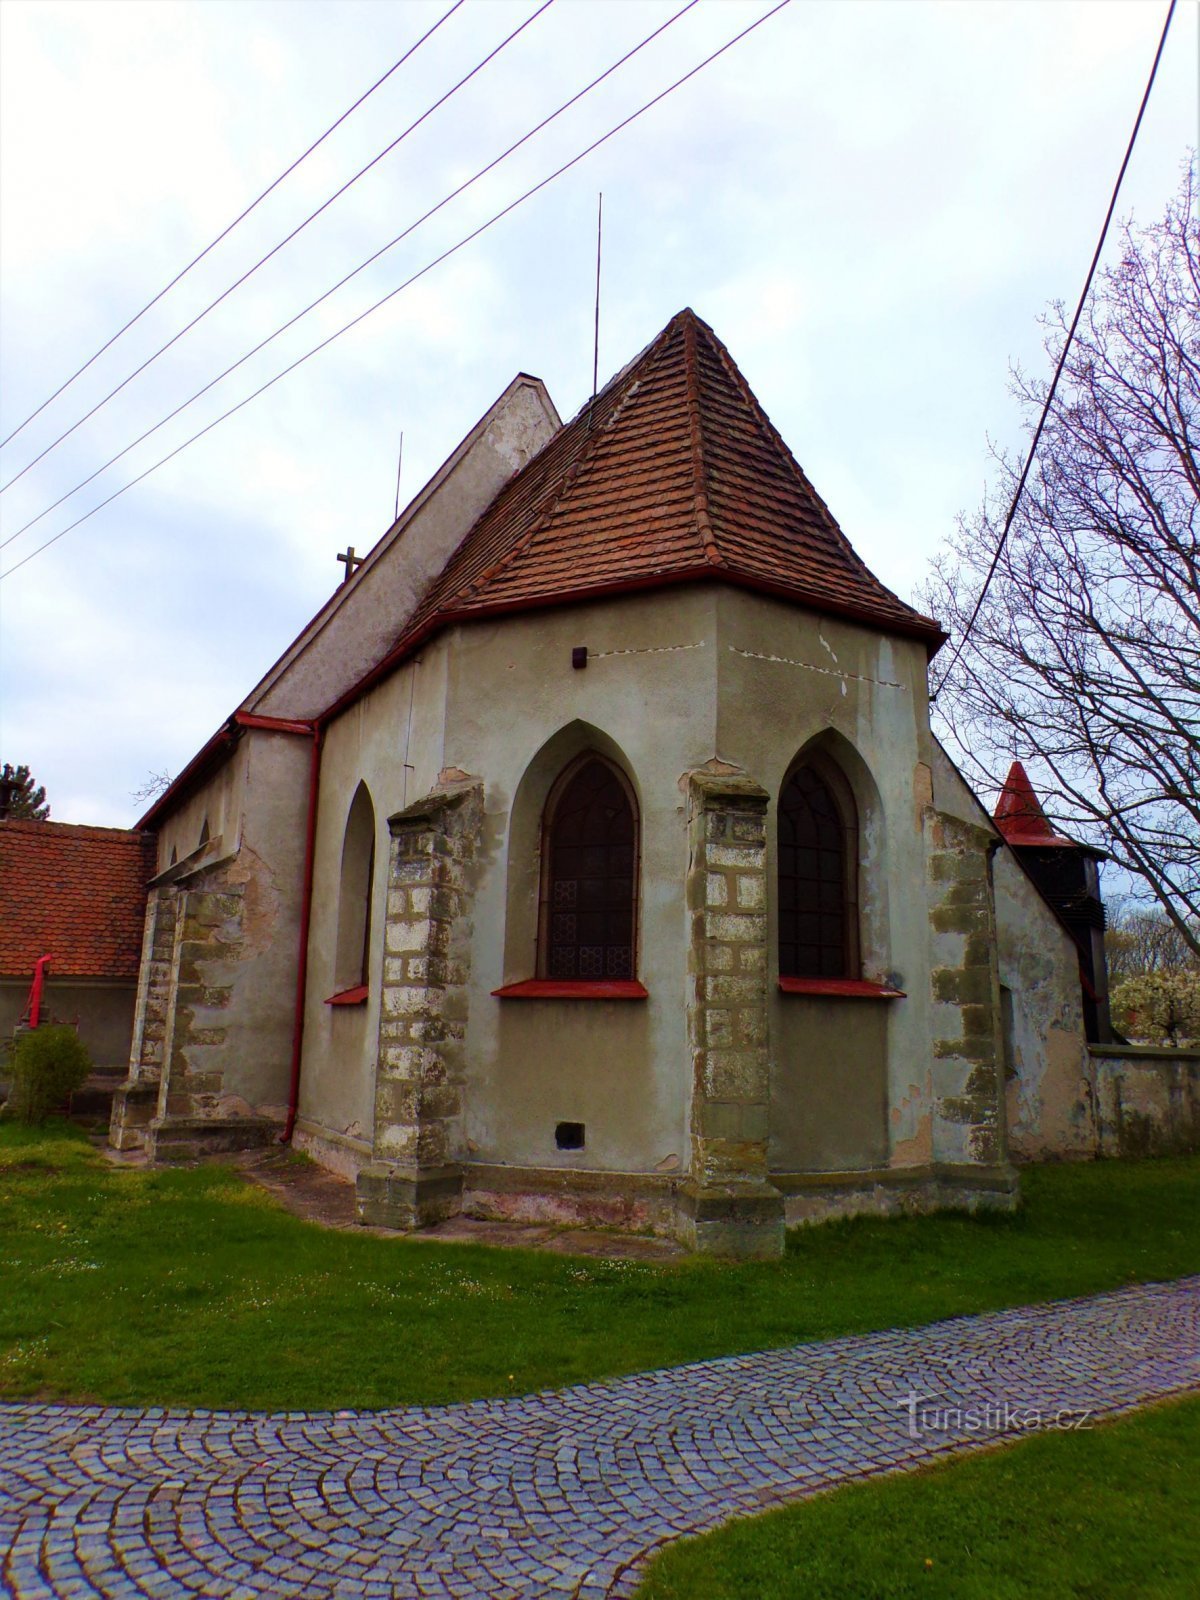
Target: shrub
(45, 1065)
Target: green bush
(45, 1065)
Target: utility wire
(437, 261)
(1058, 371)
(274, 251)
(313, 304)
(241, 217)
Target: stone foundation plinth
(742, 1220)
(813, 1197)
(407, 1197)
(134, 1104)
(190, 1138)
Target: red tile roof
(675, 473)
(1019, 814)
(75, 894)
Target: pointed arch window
(818, 874)
(352, 951)
(588, 911)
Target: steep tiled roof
(674, 473)
(75, 894)
(1020, 817)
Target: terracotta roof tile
(75, 894)
(675, 472)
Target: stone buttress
(174, 1102)
(968, 1111)
(727, 1205)
(415, 1174)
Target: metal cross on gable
(352, 562)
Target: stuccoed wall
(675, 680)
(220, 801)
(1050, 1101)
(362, 621)
(224, 980)
(1147, 1100)
(391, 740)
(102, 1012)
(850, 1077)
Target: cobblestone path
(557, 1494)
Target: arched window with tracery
(587, 926)
(352, 953)
(818, 874)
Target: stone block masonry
(171, 1102)
(728, 1205)
(968, 1065)
(414, 1177)
(136, 1100)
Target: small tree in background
(20, 797)
(45, 1065)
(1159, 1008)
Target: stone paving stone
(561, 1494)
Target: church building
(589, 857)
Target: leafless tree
(1138, 942)
(1084, 661)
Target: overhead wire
(391, 295)
(275, 249)
(370, 260)
(241, 217)
(1048, 403)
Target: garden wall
(1147, 1100)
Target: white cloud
(869, 201)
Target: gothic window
(354, 896)
(589, 875)
(818, 874)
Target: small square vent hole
(569, 1135)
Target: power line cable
(1058, 370)
(241, 217)
(391, 295)
(313, 304)
(274, 251)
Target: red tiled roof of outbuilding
(76, 894)
(674, 473)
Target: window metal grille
(815, 937)
(591, 861)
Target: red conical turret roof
(1020, 817)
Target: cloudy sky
(869, 201)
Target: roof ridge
(704, 522)
(621, 389)
(761, 418)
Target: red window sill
(841, 988)
(573, 989)
(350, 997)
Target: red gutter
(35, 993)
(251, 719)
(317, 733)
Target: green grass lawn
(191, 1287)
(1112, 1513)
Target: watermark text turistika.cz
(926, 1415)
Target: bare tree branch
(1084, 660)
